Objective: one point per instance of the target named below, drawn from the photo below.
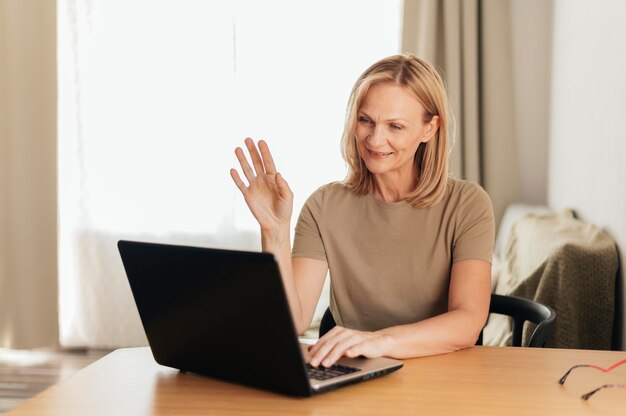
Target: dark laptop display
(224, 314)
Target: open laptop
(224, 314)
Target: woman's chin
(376, 166)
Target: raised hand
(267, 194)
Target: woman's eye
(396, 127)
(364, 120)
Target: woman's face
(390, 127)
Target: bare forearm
(448, 332)
(278, 242)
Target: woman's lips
(379, 154)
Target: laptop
(224, 314)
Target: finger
(312, 358)
(320, 343)
(369, 347)
(322, 355)
(235, 175)
(356, 350)
(268, 160)
(247, 170)
(283, 186)
(340, 349)
(256, 158)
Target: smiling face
(390, 127)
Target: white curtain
(153, 98)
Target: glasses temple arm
(586, 396)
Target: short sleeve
(475, 226)
(308, 237)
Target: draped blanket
(565, 263)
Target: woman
(408, 249)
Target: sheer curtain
(153, 98)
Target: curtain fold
(28, 214)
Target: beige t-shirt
(390, 263)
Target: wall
(28, 247)
(587, 162)
(569, 95)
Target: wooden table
(477, 381)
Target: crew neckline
(388, 205)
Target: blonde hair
(431, 158)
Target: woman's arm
(303, 278)
(270, 200)
(468, 308)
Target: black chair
(519, 309)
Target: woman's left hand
(341, 341)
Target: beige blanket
(565, 263)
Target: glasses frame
(586, 396)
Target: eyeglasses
(586, 396)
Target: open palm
(267, 194)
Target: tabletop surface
(479, 380)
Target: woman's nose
(376, 137)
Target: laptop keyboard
(323, 373)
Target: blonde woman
(407, 247)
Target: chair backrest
(327, 323)
(519, 309)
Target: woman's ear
(430, 129)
